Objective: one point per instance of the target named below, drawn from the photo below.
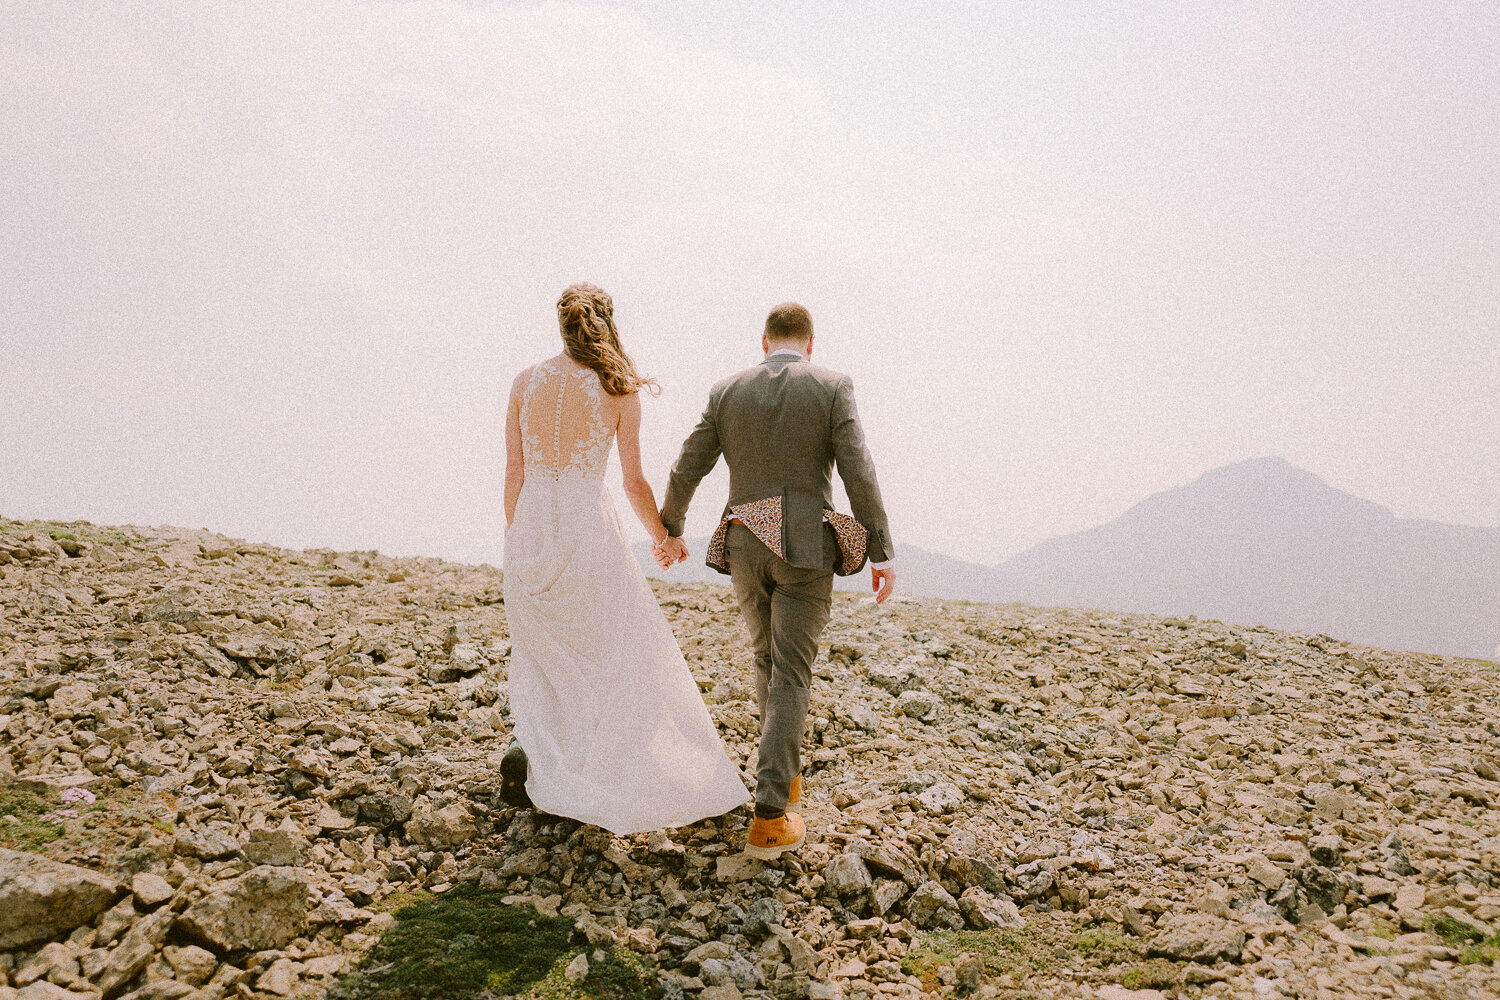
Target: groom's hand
(882, 581)
(673, 550)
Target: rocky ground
(226, 765)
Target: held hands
(883, 581)
(669, 551)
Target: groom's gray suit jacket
(782, 427)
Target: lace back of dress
(564, 434)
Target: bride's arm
(637, 489)
(515, 464)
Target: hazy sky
(270, 268)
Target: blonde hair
(586, 317)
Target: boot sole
(772, 853)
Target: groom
(782, 427)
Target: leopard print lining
(853, 539)
(764, 518)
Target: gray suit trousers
(785, 609)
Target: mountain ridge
(1261, 541)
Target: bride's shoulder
(523, 378)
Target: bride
(609, 726)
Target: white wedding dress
(601, 698)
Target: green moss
(112, 536)
(1383, 929)
(1003, 951)
(1039, 946)
(24, 830)
(1157, 975)
(22, 804)
(621, 976)
(1103, 939)
(401, 899)
(1451, 931)
(465, 942)
(1486, 952)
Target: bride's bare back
(567, 420)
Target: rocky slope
(225, 764)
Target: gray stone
(116, 921)
(942, 798)
(1196, 937)
(969, 871)
(764, 913)
(54, 957)
(892, 677)
(43, 990)
(857, 716)
(467, 659)
(207, 845)
(918, 704)
(262, 909)
(886, 893)
(446, 827)
(982, 911)
(135, 950)
(932, 906)
(280, 979)
(384, 809)
(886, 861)
(734, 969)
(163, 989)
(1327, 849)
(737, 867)
(41, 899)
(845, 876)
(278, 847)
(151, 890)
(192, 964)
(967, 969)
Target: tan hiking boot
(771, 838)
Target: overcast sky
(270, 268)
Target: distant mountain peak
(1265, 541)
(1267, 470)
(1260, 487)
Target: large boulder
(135, 950)
(42, 899)
(933, 906)
(965, 871)
(846, 875)
(982, 910)
(1196, 937)
(282, 846)
(262, 909)
(445, 827)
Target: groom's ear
(765, 344)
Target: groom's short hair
(789, 322)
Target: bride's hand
(670, 551)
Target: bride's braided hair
(586, 316)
